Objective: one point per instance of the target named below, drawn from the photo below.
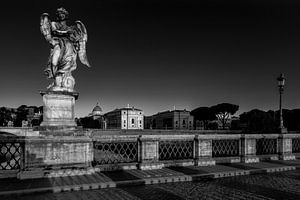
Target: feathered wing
(82, 43)
(45, 26)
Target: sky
(158, 54)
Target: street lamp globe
(281, 80)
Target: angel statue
(66, 42)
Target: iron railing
(265, 146)
(225, 148)
(115, 152)
(296, 145)
(10, 155)
(175, 150)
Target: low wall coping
(168, 137)
(216, 137)
(260, 136)
(107, 138)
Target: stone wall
(145, 150)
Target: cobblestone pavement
(283, 185)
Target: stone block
(285, 148)
(205, 148)
(250, 159)
(206, 162)
(150, 150)
(57, 151)
(149, 155)
(58, 108)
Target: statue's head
(62, 14)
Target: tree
(224, 111)
(22, 113)
(204, 114)
(5, 116)
(258, 120)
(291, 119)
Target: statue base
(58, 110)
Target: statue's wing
(45, 26)
(82, 43)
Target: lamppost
(281, 81)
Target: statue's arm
(58, 32)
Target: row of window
(132, 121)
(183, 122)
(125, 113)
(132, 126)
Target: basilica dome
(97, 110)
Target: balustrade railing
(225, 148)
(115, 152)
(296, 145)
(266, 146)
(176, 150)
(11, 154)
(128, 151)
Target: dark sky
(157, 54)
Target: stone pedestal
(149, 155)
(285, 147)
(249, 149)
(56, 156)
(203, 152)
(58, 108)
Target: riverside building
(175, 119)
(125, 118)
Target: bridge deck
(12, 186)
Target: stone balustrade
(145, 150)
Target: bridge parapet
(135, 150)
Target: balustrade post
(248, 151)
(285, 147)
(22, 154)
(149, 153)
(203, 152)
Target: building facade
(175, 119)
(95, 120)
(125, 118)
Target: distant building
(175, 119)
(96, 112)
(34, 115)
(125, 118)
(94, 120)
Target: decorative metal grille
(296, 145)
(225, 148)
(175, 150)
(115, 152)
(10, 155)
(266, 146)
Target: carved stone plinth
(58, 108)
(56, 156)
(203, 152)
(285, 147)
(249, 149)
(149, 155)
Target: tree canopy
(258, 120)
(204, 114)
(224, 111)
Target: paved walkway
(117, 179)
